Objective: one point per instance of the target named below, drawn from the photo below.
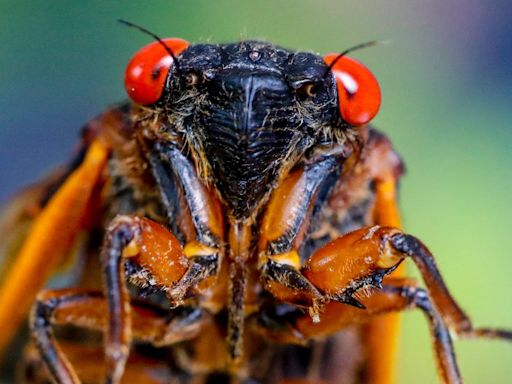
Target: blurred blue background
(447, 93)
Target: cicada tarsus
(236, 222)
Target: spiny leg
(365, 256)
(159, 261)
(395, 295)
(155, 253)
(362, 258)
(363, 180)
(89, 309)
(300, 196)
(192, 207)
(162, 263)
(285, 224)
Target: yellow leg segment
(382, 334)
(48, 242)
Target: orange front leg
(363, 257)
(360, 260)
(394, 296)
(155, 259)
(151, 256)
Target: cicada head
(247, 112)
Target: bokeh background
(447, 93)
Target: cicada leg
(395, 295)
(159, 261)
(156, 259)
(284, 227)
(49, 241)
(90, 310)
(361, 259)
(195, 208)
(378, 168)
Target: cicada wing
(18, 212)
(50, 234)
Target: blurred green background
(447, 92)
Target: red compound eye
(146, 72)
(358, 90)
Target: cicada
(238, 223)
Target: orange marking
(195, 248)
(49, 241)
(131, 250)
(289, 258)
(210, 284)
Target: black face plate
(248, 112)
